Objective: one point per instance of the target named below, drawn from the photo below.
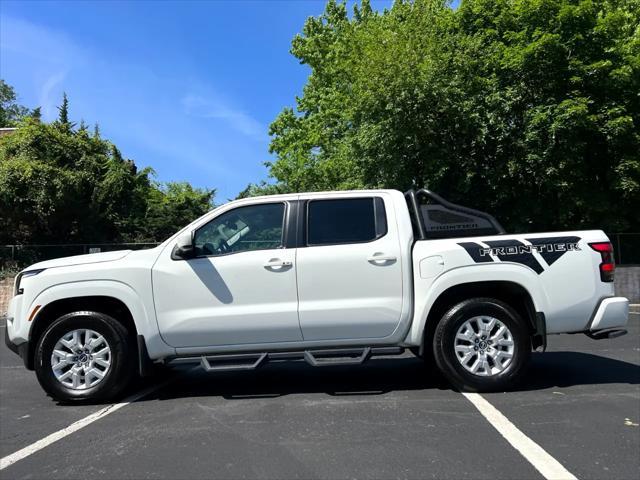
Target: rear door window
(339, 221)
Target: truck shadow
(567, 369)
(382, 376)
(211, 278)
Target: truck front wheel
(84, 356)
(482, 345)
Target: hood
(81, 259)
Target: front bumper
(14, 338)
(22, 350)
(613, 312)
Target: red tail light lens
(608, 265)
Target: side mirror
(183, 249)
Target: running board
(606, 333)
(232, 362)
(315, 358)
(322, 358)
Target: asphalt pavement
(389, 418)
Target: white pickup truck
(329, 278)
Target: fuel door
(431, 266)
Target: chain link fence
(16, 257)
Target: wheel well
(513, 294)
(107, 305)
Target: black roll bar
(412, 203)
(412, 197)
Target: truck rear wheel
(85, 356)
(482, 345)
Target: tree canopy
(61, 184)
(10, 111)
(527, 108)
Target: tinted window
(255, 227)
(345, 221)
(441, 222)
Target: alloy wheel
(484, 346)
(81, 359)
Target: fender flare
(521, 276)
(143, 319)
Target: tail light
(608, 265)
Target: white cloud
(47, 56)
(38, 43)
(198, 106)
(46, 99)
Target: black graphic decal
(473, 249)
(552, 248)
(513, 251)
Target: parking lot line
(548, 466)
(74, 427)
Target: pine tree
(115, 154)
(63, 110)
(36, 114)
(96, 130)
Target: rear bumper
(612, 312)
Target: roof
(288, 196)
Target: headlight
(25, 274)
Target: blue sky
(188, 88)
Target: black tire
(123, 357)
(444, 345)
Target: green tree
(527, 108)
(170, 204)
(262, 188)
(36, 113)
(10, 111)
(61, 185)
(63, 114)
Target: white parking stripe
(74, 427)
(548, 466)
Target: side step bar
(315, 358)
(233, 362)
(606, 333)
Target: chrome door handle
(381, 257)
(276, 262)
